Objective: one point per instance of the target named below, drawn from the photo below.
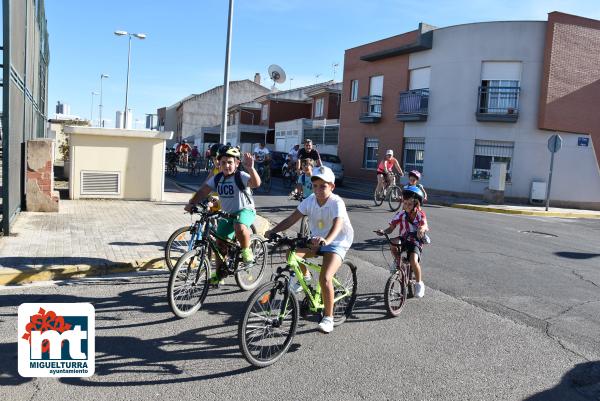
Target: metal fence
(25, 58)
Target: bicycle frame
(316, 303)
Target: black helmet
(214, 149)
(230, 151)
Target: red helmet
(415, 173)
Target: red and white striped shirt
(406, 225)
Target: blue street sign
(583, 141)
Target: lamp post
(100, 122)
(139, 36)
(226, 77)
(92, 108)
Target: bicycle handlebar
(202, 209)
(298, 242)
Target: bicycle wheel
(269, 323)
(378, 197)
(304, 229)
(248, 278)
(346, 277)
(395, 293)
(267, 181)
(178, 243)
(188, 284)
(394, 197)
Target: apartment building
(451, 101)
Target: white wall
(451, 129)
(284, 144)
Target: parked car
(277, 160)
(335, 164)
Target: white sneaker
(419, 289)
(326, 325)
(296, 287)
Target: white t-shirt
(293, 154)
(320, 219)
(261, 153)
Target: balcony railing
(498, 104)
(413, 105)
(370, 109)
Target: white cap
(389, 152)
(323, 173)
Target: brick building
(451, 101)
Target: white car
(335, 164)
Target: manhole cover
(539, 233)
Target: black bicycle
(190, 278)
(186, 238)
(264, 171)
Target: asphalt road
(507, 315)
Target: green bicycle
(271, 315)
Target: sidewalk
(90, 238)
(357, 186)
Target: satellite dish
(277, 74)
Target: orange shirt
(388, 163)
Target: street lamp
(92, 108)
(139, 36)
(100, 122)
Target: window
(499, 96)
(354, 90)
(264, 114)
(319, 107)
(414, 154)
(487, 152)
(371, 153)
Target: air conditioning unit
(538, 192)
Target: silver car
(335, 164)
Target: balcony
(370, 110)
(500, 104)
(413, 105)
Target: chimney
(257, 78)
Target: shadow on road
(582, 380)
(577, 255)
(123, 360)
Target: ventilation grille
(100, 183)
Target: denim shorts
(333, 249)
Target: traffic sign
(555, 143)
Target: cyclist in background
(413, 179)
(261, 155)
(293, 154)
(308, 152)
(184, 151)
(304, 183)
(384, 168)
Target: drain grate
(540, 233)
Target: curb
(10, 276)
(488, 209)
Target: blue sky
(185, 48)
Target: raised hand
(248, 161)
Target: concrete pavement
(91, 238)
